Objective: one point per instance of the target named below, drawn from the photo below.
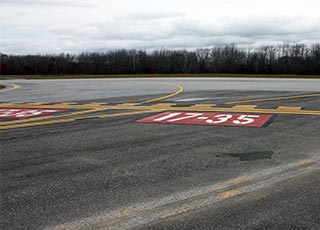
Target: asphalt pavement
(92, 166)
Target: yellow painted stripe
(39, 103)
(199, 201)
(196, 199)
(48, 117)
(64, 105)
(168, 106)
(290, 108)
(113, 115)
(36, 123)
(30, 124)
(180, 90)
(275, 98)
(231, 193)
(203, 106)
(244, 107)
(13, 86)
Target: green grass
(2, 87)
(155, 76)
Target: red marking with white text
(222, 119)
(25, 113)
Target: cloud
(178, 32)
(46, 3)
(111, 24)
(151, 16)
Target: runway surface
(219, 153)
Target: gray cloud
(180, 32)
(47, 29)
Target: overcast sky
(55, 26)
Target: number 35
(245, 119)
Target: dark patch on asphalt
(250, 156)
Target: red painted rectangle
(209, 118)
(25, 113)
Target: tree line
(282, 59)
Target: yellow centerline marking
(274, 98)
(13, 86)
(180, 90)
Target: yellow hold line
(29, 124)
(290, 108)
(113, 115)
(48, 117)
(274, 98)
(36, 123)
(168, 106)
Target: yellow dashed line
(202, 106)
(231, 182)
(249, 107)
(38, 103)
(232, 193)
(289, 108)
